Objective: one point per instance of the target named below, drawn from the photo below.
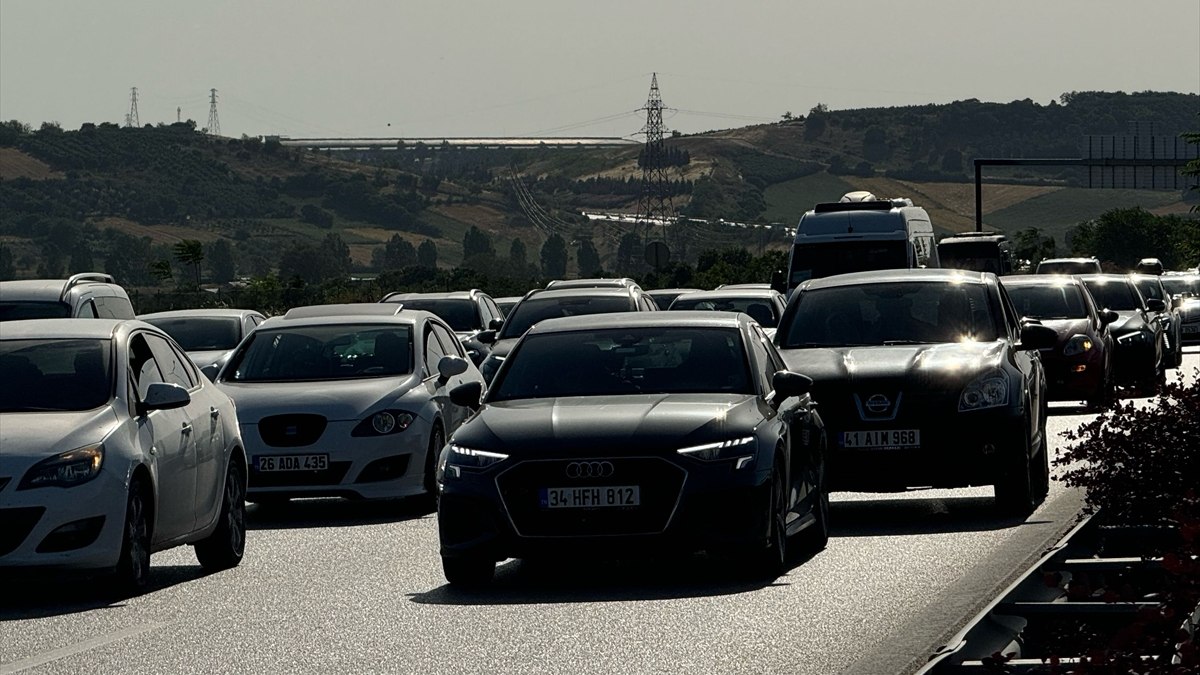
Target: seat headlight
(1078, 344)
(458, 458)
(383, 423)
(67, 469)
(989, 390)
(740, 448)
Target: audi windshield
(323, 353)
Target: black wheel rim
(137, 535)
(778, 520)
(435, 447)
(235, 512)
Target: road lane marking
(78, 648)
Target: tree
(427, 255)
(161, 270)
(477, 242)
(588, 258)
(396, 254)
(517, 256)
(1033, 245)
(7, 269)
(952, 161)
(554, 257)
(815, 123)
(220, 262)
(190, 253)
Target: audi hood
(339, 400)
(609, 424)
(1128, 322)
(949, 363)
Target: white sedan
(346, 401)
(113, 446)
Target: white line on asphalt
(80, 647)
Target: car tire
(1014, 489)
(769, 561)
(1041, 466)
(468, 571)
(225, 547)
(437, 439)
(815, 537)
(1104, 394)
(132, 572)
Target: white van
(860, 233)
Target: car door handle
(213, 412)
(187, 427)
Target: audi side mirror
(1155, 305)
(1036, 336)
(788, 384)
(467, 395)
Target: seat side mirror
(1036, 336)
(467, 395)
(486, 337)
(448, 366)
(1156, 305)
(788, 384)
(165, 396)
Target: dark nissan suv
(926, 378)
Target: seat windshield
(324, 353)
(535, 309)
(626, 361)
(1118, 295)
(16, 311)
(55, 375)
(1059, 301)
(891, 313)
(760, 309)
(200, 333)
(462, 315)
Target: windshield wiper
(889, 343)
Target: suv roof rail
(872, 205)
(83, 277)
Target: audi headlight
(1140, 337)
(383, 423)
(67, 469)
(740, 448)
(989, 390)
(1078, 344)
(458, 458)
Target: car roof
(197, 313)
(1105, 278)
(752, 293)
(1071, 260)
(1040, 280)
(898, 275)
(406, 317)
(101, 329)
(690, 319)
(509, 298)
(26, 290)
(346, 309)
(452, 295)
(665, 291)
(962, 237)
(598, 282)
(584, 292)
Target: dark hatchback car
(468, 313)
(626, 434)
(541, 304)
(1079, 367)
(1140, 360)
(926, 378)
(1151, 287)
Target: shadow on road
(906, 516)
(37, 596)
(521, 582)
(307, 513)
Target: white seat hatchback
(113, 446)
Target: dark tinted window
(891, 313)
(1057, 301)
(814, 261)
(15, 311)
(1068, 267)
(1150, 288)
(143, 366)
(664, 300)
(171, 363)
(535, 309)
(462, 315)
(629, 361)
(980, 256)
(54, 375)
(1117, 295)
(451, 345)
(761, 310)
(113, 307)
(324, 353)
(1181, 285)
(200, 334)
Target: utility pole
(131, 120)
(178, 114)
(654, 204)
(214, 123)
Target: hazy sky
(562, 67)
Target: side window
(1011, 318)
(142, 366)
(450, 344)
(87, 311)
(119, 307)
(762, 359)
(174, 367)
(493, 309)
(433, 352)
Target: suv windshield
(535, 309)
(1058, 301)
(55, 375)
(462, 315)
(814, 261)
(626, 361)
(1117, 295)
(15, 311)
(891, 313)
(759, 309)
(324, 353)
(201, 334)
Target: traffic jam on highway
(591, 418)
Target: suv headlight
(1135, 338)
(989, 390)
(740, 448)
(458, 458)
(1078, 344)
(68, 469)
(383, 423)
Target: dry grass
(16, 164)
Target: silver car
(208, 335)
(347, 400)
(114, 446)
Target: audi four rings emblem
(589, 469)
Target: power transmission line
(131, 119)
(654, 205)
(214, 122)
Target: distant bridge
(469, 142)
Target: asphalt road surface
(330, 586)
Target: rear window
(890, 314)
(1117, 295)
(16, 311)
(535, 309)
(55, 375)
(323, 353)
(815, 261)
(761, 310)
(1068, 267)
(202, 334)
(1058, 301)
(462, 315)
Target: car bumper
(712, 508)
(1073, 377)
(76, 528)
(1135, 363)
(368, 467)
